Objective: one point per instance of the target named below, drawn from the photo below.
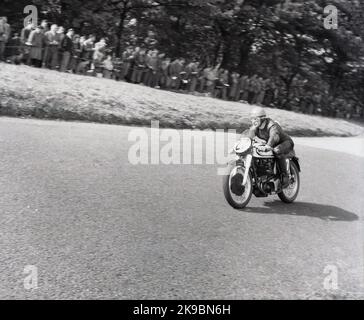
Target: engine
(264, 166)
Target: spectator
(108, 67)
(253, 89)
(234, 89)
(76, 53)
(160, 59)
(139, 58)
(118, 67)
(165, 79)
(44, 25)
(25, 32)
(261, 93)
(211, 75)
(61, 34)
(67, 49)
(202, 80)
(5, 32)
(176, 67)
(127, 59)
(87, 47)
(222, 84)
(98, 56)
(148, 56)
(243, 93)
(82, 41)
(36, 41)
(24, 36)
(192, 75)
(184, 79)
(152, 67)
(14, 52)
(99, 51)
(52, 42)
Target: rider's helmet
(258, 112)
(257, 116)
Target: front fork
(248, 164)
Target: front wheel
(242, 195)
(289, 194)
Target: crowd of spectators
(53, 47)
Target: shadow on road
(325, 212)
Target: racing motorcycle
(256, 171)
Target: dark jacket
(272, 132)
(67, 44)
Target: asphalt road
(96, 226)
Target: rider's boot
(284, 166)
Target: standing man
(160, 59)
(192, 70)
(243, 91)
(87, 48)
(152, 65)
(261, 94)
(127, 59)
(253, 88)
(67, 50)
(212, 75)
(44, 25)
(76, 53)
(165, 78)
(233, 93)
(98, 56)
(52, 42)
(4, 36)
(24, 36)
(176, 67)
(36, 41)
(61, 35)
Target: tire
(282, 195)
(229, 196)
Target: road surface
(97, 227)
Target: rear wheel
(237, 201)
(289, 194)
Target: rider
(275, 138)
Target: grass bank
(44, 94)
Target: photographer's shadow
(321, 211)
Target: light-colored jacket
(5, 32)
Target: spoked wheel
(242, 195)
(289, 194)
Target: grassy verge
(44, 94)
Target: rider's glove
(265, 148)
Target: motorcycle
(256, 171)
